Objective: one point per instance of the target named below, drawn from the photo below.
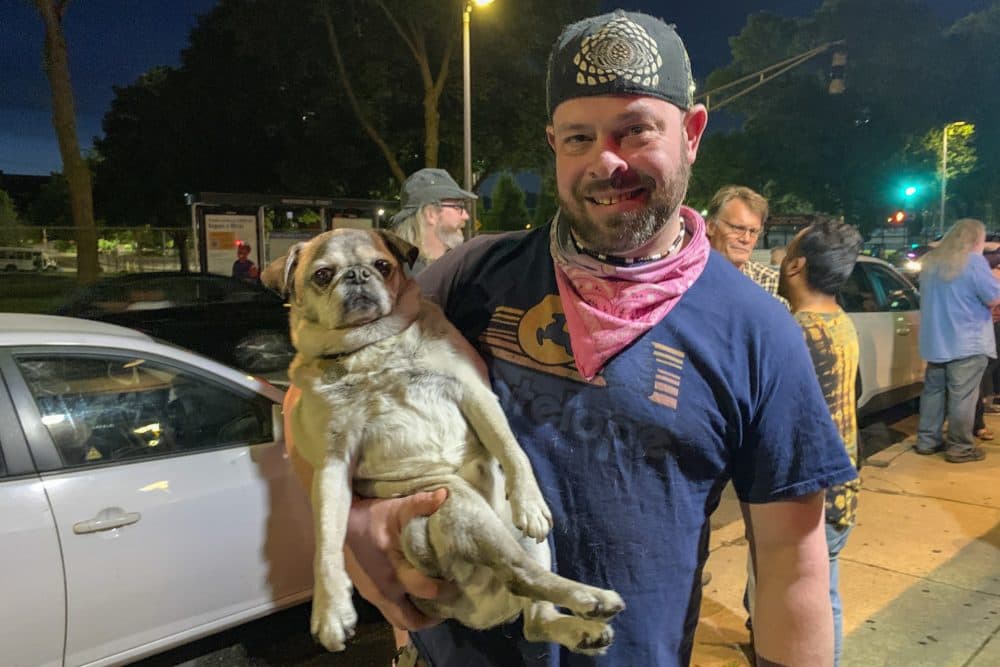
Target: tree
(548, 199)
(507, 210)
(8, 220)
(837, 152)
(56, 63)
(258, 103)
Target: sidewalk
(920, 576)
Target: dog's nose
(358, 275)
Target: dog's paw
(597, 604)
(332, 622)
(532, 519)
(595, 643)
(530, 513)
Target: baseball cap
(427, 186)
(621, 53)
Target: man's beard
(452, 239)
(629, 231)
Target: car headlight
(912, 265)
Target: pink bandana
(607, 307)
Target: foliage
(839, 153)
(258, 103)
(507, 210)
(51, 208)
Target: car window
(897, 295)
(99, 409)
(857, 295)
(214, 290)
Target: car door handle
(99, 523)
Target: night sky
(112, 42)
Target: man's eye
(322, 277)
(383, 267)
(576, 139)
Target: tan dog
(393, 400)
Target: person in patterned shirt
(819, 260)
(736, 217)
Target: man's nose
(607, 163)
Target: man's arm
(792, 616)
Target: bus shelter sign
(223, 234)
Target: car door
(31, 576)
(898, 298)
(177, 511)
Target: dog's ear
(280, 274)
(404, 251)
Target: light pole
(944, 167)
(467, 90)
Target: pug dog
(394, 402)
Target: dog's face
(343, 279)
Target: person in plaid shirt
(736, 217)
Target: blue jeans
(836, 538)
(953, 385)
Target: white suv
(885, 308)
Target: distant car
(885, 309)
(237, 322)
(146, 498)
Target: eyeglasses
(457, 207)
(738, 231)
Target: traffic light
(897, 218)
(910, 190)
(837, 72)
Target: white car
(885, 309)
(146, 498)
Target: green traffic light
(910, 191)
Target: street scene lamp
(467, 88)
(944, 167)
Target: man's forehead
(588, 111)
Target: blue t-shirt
(633, 463)
(955, 320)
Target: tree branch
(394, 166)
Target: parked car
(885, 309)
(237, 322)
(146, 498)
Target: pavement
(920, 575)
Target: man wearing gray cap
(641, 373)
(433, 212)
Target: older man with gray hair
(736, 217)
(433, 214)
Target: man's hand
(375, 561)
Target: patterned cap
(621, 53)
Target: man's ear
(695, 122)
(550, 134)
(795, 266)
(280, 274)
(404, 251)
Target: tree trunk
(64, 120)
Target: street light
(467, 87)
(944, 166)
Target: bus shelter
(271, 224)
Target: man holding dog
(640, 372)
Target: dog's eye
(323, 277)
(383, 267)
